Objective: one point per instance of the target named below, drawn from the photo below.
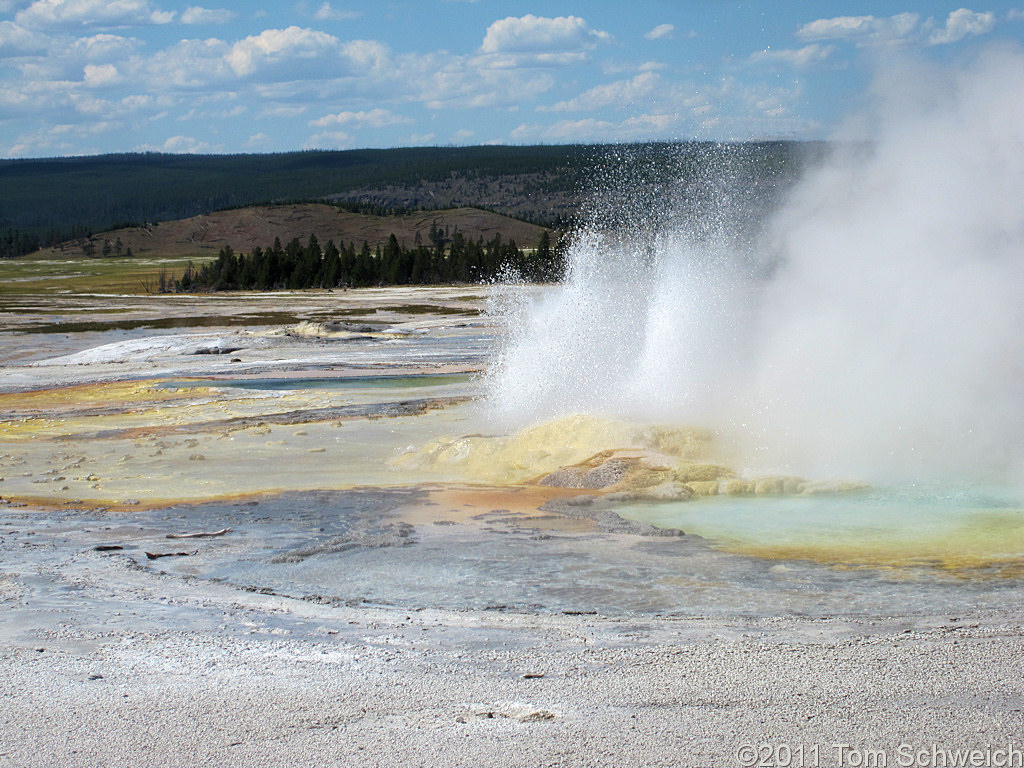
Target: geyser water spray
(867, 321)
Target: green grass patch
(48, 276)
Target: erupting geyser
(870, 325)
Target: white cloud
(662, 32)
(728, 109)
(329, 140)
(213, 114)
(541, 35)
(101, 74)
(137, 101)
(798, 57)
(840, 27)
(367, 55)
(618, 94)
(899, 29)
(50, 13)
(302, 77)
(61, 139)
(179, 145)
(638, 128)
(864, 30)
(14, 38)
(471, 84)
(197, 15)
(65, 57)
(102, 47)
(328, 13)
(375, 118)
(258, 141)
(276, 45)
(189, 64)
(290, 72)
(39, 145)
(523, 60)
(962, 23)
(283, 111)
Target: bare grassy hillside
(247, 228)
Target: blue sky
(94, 76)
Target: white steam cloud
(885, 341)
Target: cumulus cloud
(375, 118)
(102, 47)
(276, 45)
(303, 76)
(367, 55)
(960, 24)
(652, 66)
(540, 36)
(197, 15)
(898, 29)
(463, 84)
(15, 38)
(179, 145)
(100, 74)
(190, 64)
(309, 61)
(326, 12)
(861, 29)
(797, 57)
(258, 141)
(662, 32)
(637, 128)
(730, 108)
(64, 59)
(329, 140)
(60, 13)
(618, 94)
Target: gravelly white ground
(102, 663)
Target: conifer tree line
(14, 243)
(452, 259)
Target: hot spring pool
(948, 527)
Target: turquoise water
(951, 527)
(500, 561)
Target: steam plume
(873, 325)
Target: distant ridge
(244, 229)
(57, 199)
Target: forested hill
(244, 229)
(48, 201)
(55, 200)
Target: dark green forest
(47, 201)
(44, 202)
(443, 260)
